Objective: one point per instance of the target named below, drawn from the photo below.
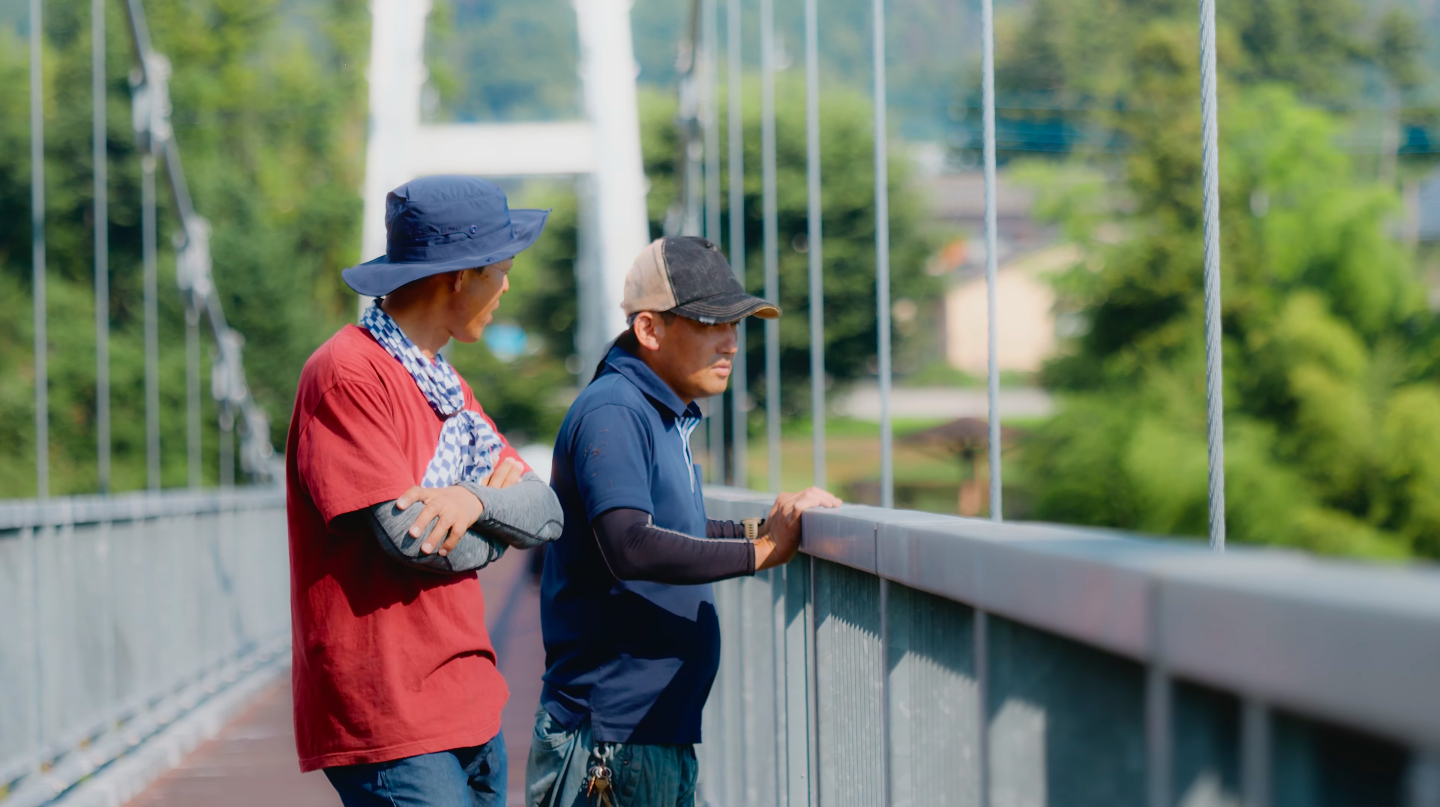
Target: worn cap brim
(730, 307)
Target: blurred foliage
(548, 307)
(1068, 70)
(506, 60)
(1332, 402)
(269, 101)
(499, 60)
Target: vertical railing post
(1159, 710)
(1255, 753)
(1422, 783)
(814, 240)
(31, 538)
(992, 258)
(981, 649)
(37, 250)
(781, 706)
(739, 394)
(770, 238)
(887, 758)
(798, 748)
(882, 257)
(812, 678)
(1214, 373)
(102, 245)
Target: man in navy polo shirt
(632, 641)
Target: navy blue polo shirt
(638, 657)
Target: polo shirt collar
(639, 373)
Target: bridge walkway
(253, 760)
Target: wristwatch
(752, 527)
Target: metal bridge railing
(1106, 670)
(122, 614)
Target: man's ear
(649, 330)
(457, 280)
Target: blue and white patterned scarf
(468, 447)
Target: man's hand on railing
(780, 534)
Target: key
(598, 779)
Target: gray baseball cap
(690, 277)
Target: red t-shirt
(389, 662)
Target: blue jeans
(463, 777)
(642, 775)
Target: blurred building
(1029, 251)
(1025, 300)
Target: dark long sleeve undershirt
(723, 529)
(636, 549)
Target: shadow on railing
(123, 615)
(1109, 670)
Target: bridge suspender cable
(1214, 377)
(882, 258)
(735, 123)
(770, 237)
(992, 258)
(710, 62)
(981, 635)
(100, 174)
(151, 117)
(37, 251)
(813, 239)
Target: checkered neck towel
(468, 447)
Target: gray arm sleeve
(392, 529)
(524, 515)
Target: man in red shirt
(397, 695)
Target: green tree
(269, 109)
(849, 227)
(1330, 398)
(1069, 72)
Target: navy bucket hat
(441, 224)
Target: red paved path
(252, 762)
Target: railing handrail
(1351, 642)
(19, 514)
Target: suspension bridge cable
(813, 237)
(882, 259)
(1214, 378)
(992, 379)
(770, 237)
(992, 260)
(711, 61)
(100, 173)
(152, 320)
(193, 270)
(739, 395)
(37, 251)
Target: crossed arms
(467, 526)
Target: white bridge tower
(602, 151)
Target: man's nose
(730, 342)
